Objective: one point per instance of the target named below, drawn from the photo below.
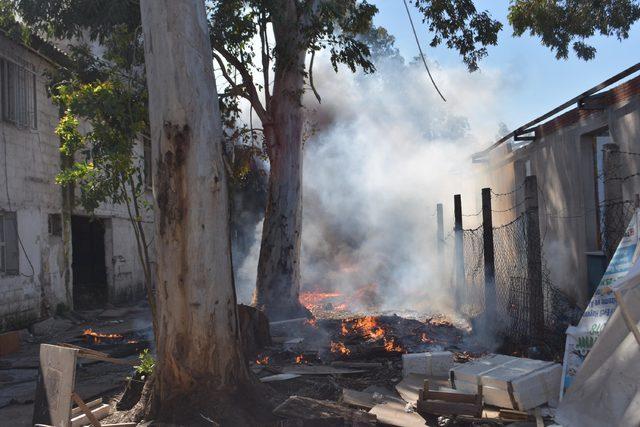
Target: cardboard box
(510, 382)
(435, 365)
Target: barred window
(18, 89)
(9, 254)
(146, 146)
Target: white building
(52, 256)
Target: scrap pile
(401, 372)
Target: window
(17, 86)
(8, 243)
(55, 224)
(146, 145)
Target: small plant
(147, 363)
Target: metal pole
(440, 221)
(534, 260)
(459, 249)
(490, 301)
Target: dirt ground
(18, 371)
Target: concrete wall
(563, 162)
(31, 159)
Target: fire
(391, 346)
(262, 360)
(424, 338)
(366, 326)
(300, 359)
(315, 300)
(99, 337)
(338, 347)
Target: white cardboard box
(436, 364)
(510, 382)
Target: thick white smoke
(384, 152)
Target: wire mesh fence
(517, 279)
(615, 219)
(471, 293)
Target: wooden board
(304, 408)
(356, 365)
(394, 414)
(56, 380)
(410, 386)
(99, 412)
(318, 370)
(278, 377)
(94, 403)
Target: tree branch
(235, 88)
(313, 87)
(247, 81)
(264, 43)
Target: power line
(424, 61)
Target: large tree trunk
(278, 281)
(198, 336)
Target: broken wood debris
(88, 353)
(449, 403)
(396, 414)
(305, 408)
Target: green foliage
(68, 19)
(461, 27)
(560, 24)
(147, 364)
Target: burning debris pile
(365, 338)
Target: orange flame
(366, 326)
(391, 346)
(300, 359)
(338, 347)
(99, 337)
(313, 300)
(262, 360)
(424, 338)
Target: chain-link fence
(471, 293)
(615, 217)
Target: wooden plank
(451, 397)
(628, 320)
(86, 410)
(77, 410)
(56, 379)
(356, 365)
(359, 399)
(318, 370)
(278, 377)
(305, 408)
(411, 385)
(538, 415)
(438, 407)
(99, 413)
(395, 414)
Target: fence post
(440, 236)
(534, 260)
(490, 302)
(459, 249)
(613, 210)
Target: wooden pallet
(449, 403)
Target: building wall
(31, 159)
(562, 159)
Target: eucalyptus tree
(271, 47)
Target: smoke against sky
(383, 152)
